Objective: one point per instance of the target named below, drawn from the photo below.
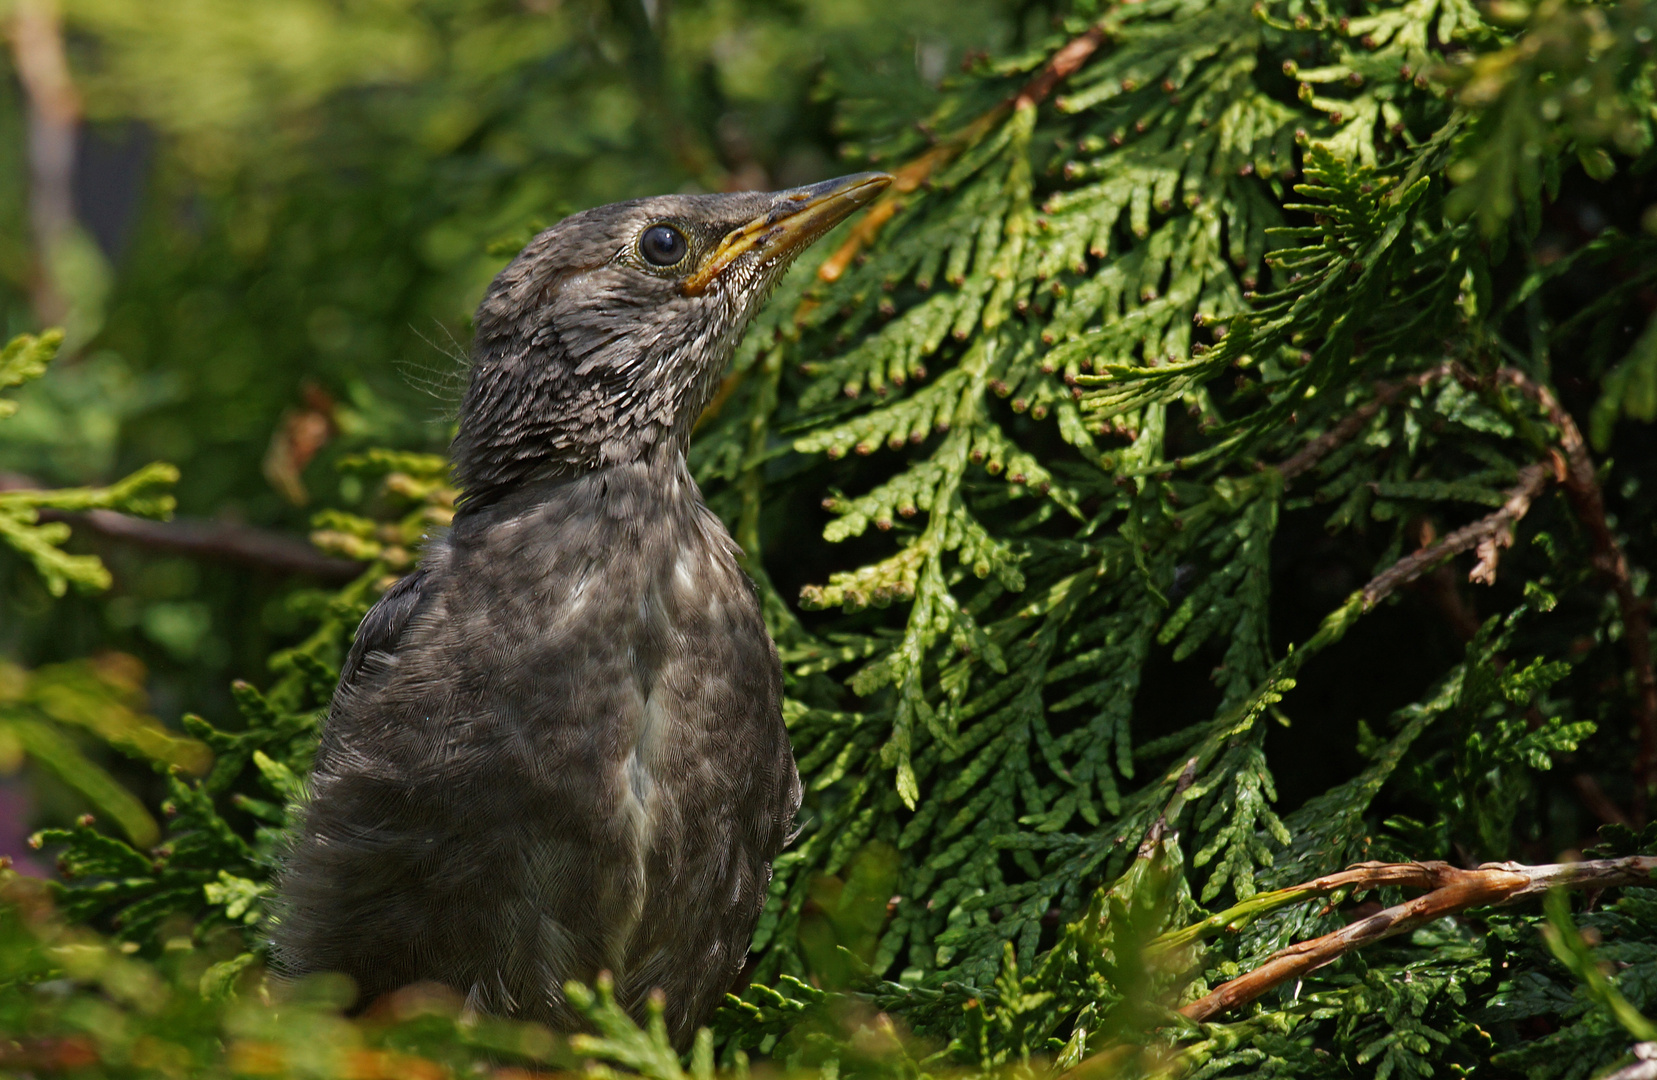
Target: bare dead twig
(1489, 535)
(1453, 890)
(217, 540)
(1583, 491)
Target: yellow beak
(796, 218)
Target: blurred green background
(264, 226)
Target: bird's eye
(662, 245)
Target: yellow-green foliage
(143, 493)
(102, 697)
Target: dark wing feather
(323, 895)
(384, 623)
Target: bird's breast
(626, 649)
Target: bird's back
(556, 749)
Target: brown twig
(1597, 801)
(1453, 890)
(1063, 64)
(217, 540)
(1583, 491)
(1059, 67)
(223, 541)
(1350, 427)
(1489, 535)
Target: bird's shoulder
(383, 626)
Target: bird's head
(605, 338)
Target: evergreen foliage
(102, 696)
(144, 492)
(1152, 310)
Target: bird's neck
(632, 492)
(534, 415)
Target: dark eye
(662, 245)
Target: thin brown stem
(1597, 802)
(215, 540)
(1488, 535)
(1063, 64)
(1583, 490)
(218, 541)
(1453, 891)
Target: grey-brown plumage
(557, 747)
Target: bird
(556, 748)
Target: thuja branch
(1573, 467)
(913, 174)
(1487, 536)
(1583, 490)
(1453, 890)
(1059, 67)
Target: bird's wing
(384, 623)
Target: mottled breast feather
(557, 748)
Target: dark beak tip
(862, 187)
(857, 189)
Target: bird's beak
(796, 218)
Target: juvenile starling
(557, 747)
